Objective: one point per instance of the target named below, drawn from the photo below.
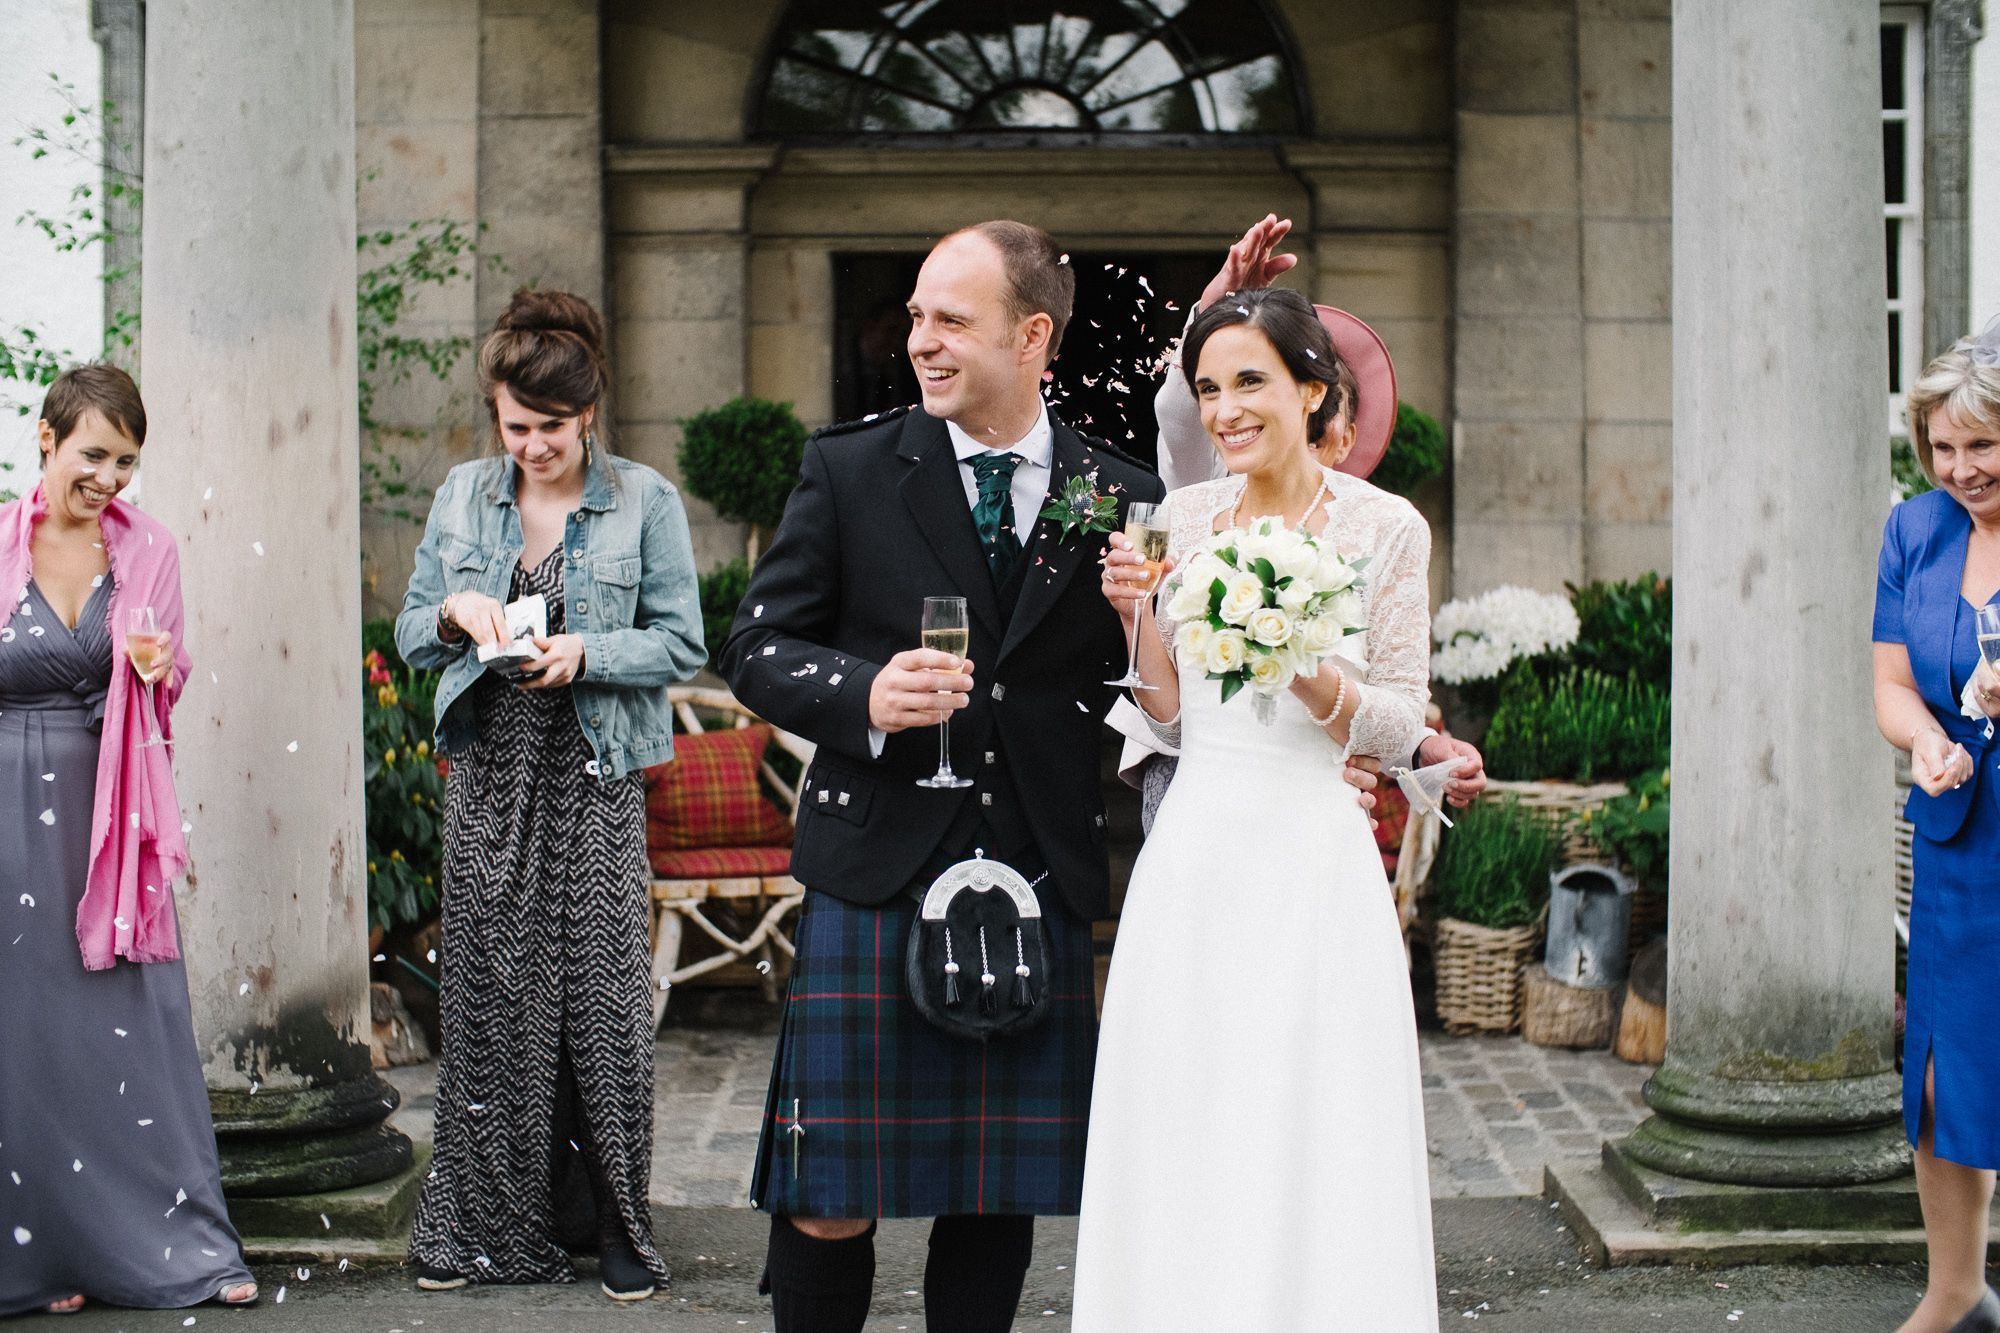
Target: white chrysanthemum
(1479, 637)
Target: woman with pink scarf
(109, 1188)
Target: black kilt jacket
(878, 522)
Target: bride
(1257, 1156)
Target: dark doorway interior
(1129, 306)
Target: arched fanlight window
(1082, 66)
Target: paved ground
(1508, 1264)
(1498, 1109)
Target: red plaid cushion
(723, 863)
(1392, 810)
(709, 795)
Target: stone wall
(1562, 271)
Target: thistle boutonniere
(1081, 508)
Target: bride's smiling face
(1252, 408)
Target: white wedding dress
(1257, 1158)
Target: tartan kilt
(902, 1120)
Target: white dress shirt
(1031, 476)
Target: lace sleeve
(1190, 516)
(1389, 722)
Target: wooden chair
(757, 880)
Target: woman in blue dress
(1940, 563)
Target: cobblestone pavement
(1497, 1108)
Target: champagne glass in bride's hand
(946, 630)
(152, 652)
(1149, 538)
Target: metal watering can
(1590, 921)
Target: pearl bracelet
(1339, 698)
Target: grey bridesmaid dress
(108, 1177)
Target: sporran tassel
(988, 1001)
(951, 996)
(1024, 995)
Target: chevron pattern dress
(545, 1080)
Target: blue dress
(1955, 902)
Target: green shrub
(1905, 473)
(403, 782)
(722, 590)
(743, 458)
(1583, 726)
(1634, 828)
(1415, 454)
(1625, 629)
(1493, 866)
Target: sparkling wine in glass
(1989, 634)
(946, 629)
(1149, 538)
(152, 654)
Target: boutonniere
(1081, 508)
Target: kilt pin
(872, 1111)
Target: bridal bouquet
(1262, 605)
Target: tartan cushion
(709, 795)
(721, 863)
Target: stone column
(1779, 1065)
(248, 351)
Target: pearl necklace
(1303, 518)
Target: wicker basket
(1649, 918)
(1559, 803)
(1479, 975)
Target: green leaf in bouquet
(1264, 570)
(1232, 684)
(1216, 592)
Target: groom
(873, 1112)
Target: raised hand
(1253, 261)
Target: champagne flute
(1988, 618)
(152, 654)
(1149, 538)
(946, 629)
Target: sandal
(440, 1279)
(63, 1306)
(246, 1294)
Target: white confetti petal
(281, 1296)
(48, 777)
(76, 1164)
(243, 989)
(144, 1123)
(120, 1031)
(208, 493)
(180, 1197)
(258, 547)
(27, 900)
(22, 1235)
(49, 817)
(293, 748)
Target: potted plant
(743, 458)
(1491, 884)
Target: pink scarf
(136, 847)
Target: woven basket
(1559, 803)
(1479, 975)
(1649, 918)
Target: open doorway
(1130, 305)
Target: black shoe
(1981, 1318)
(622, 1273)
(439, 1279)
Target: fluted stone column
(1779, 1065)
(249, 374)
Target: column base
(363, 1224)
(1789, 1160)
(1627, 1214)
(307, 1140)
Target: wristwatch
(447, 628)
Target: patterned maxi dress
(545, 1080)
(108, 1176)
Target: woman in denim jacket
(545, 1086)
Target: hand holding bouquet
(1262, 605)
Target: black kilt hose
(901, 1120)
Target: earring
(588, 437)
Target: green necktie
(993, 516)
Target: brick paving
(1497, 1108)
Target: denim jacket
(628, 578)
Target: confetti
(76, 1164)
(48, 777)
(243, 989)
(281, 1296)
(144, 1123)
(49, 818)
(323, 1222)
(764, 967)
(208, 494)
(258, 547)
(293, 748)
(27, 900)
(22, 1235)
(120, 1031)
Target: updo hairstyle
(1289, 321)
(548, 348)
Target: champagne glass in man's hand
(152, 652)
(946, 630)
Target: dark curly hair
(1293, 327)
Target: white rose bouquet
(1262, 605)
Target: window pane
(1184, 66)
(1895, 229)
(1895, 162)
(1895, 351)
(1893, 95)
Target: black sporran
(977, 965)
